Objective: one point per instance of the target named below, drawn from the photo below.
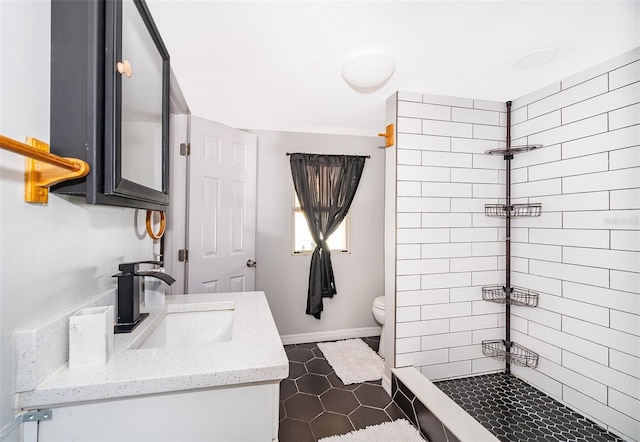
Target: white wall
(283, 277)
(582, 254)
(390, 205)
(53, 256)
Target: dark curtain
(325, 185)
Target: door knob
(251, 263)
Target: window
(303, 243)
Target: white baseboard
(330, 335)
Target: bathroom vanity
(214, 384)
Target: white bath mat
(353, 360)
(398, 431)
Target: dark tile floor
(314, 403)
(515, 411)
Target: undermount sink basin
(183, 328)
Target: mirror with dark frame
(136, 161)
(119, 124)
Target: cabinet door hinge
(183, 255)
(185, 149)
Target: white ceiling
(277, 65)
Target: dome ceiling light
(368, 71)
(535, 59)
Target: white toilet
(378, 313)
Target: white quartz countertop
(254, 354)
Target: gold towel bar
(38, 177)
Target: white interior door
(222, 208)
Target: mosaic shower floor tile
(515, 411)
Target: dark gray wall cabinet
(119, 124)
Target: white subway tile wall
(450, 181)
(582, 255)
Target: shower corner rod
(42, 168)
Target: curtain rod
(366, 156)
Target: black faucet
(128, 301)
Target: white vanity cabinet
(234, 413)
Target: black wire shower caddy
(512, 210)
(505, 349)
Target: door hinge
(185, 149)
(183, 255)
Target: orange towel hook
(388, 136)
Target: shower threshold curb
(434, 413)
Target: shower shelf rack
(517, 296)
(512, 211)
(511, 150)
(505, 349)
(510, 352)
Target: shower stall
(519, 270)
